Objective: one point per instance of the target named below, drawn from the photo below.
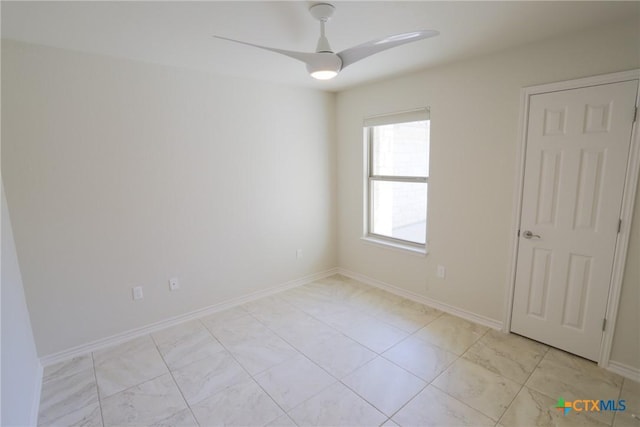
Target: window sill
(395, 246)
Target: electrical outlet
(441, 272)
(298, 253)
(137, 292)
(174, 284)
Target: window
(397, 148)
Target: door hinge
(635, 114)
(619, 225)
(518, 233)
(604, 324)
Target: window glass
(401, 149)
(397, 179)
(399, 210)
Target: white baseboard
(465, 314)
(624, 370)
(37, 390)
(154, 327)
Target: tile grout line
(141, 382)
(340, 380)
(463, 403)
(251, 377)
(95, 376)
(523, 385)
(342, 301)
(576, 370)
(615, 414)
(300, 352)
(337, 331)
(381, 355)
(459, 357)
(429, 344)
(322, 341)
(174, 380)
(371, 403)
(55, 378)
(407, 402)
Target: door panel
(577, 150)
(548, 190)
(576, 292)
(589, 190)
(539, 283)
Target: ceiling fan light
(324, 74)
(325, 66)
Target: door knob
(529, 235)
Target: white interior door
(576, 158)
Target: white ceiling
(179, 33)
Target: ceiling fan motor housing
(325, 62)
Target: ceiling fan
(324, 64)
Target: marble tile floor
(332, 353)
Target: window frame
(370, 178)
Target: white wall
(21, 370)
(474, 134)
(120, 173)
(626, 340)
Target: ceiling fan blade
(356, 53)
(305, 57)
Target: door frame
(626, 213)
